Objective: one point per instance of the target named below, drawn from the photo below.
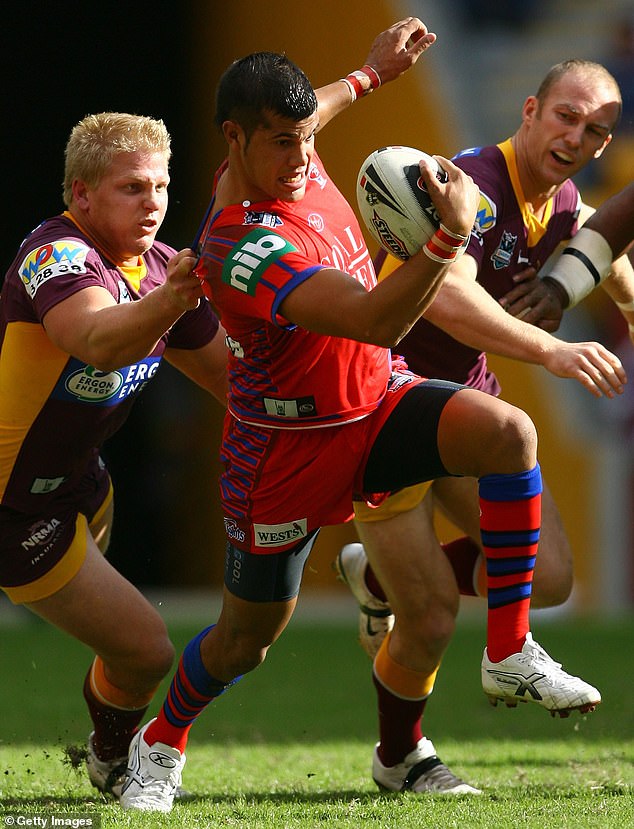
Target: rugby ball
(393, 202)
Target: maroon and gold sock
(402, 695)
(115, 713)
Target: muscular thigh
(405, 449)
(88, 605)
(266, 577)
(408, 560)
(457, 500)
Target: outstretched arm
(466, 311)
(392, 53)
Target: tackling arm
(465, 310)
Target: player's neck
(536, 195)
(230, 190)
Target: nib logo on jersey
(88, 384)
(251, 256)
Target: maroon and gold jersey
(507, 238)
(283, 376)
(55, 411)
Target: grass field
(291, 745)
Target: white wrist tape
(583, 264)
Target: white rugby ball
(393, 202)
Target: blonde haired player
(90, 307)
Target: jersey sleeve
(55, 270)
(258, 272)
(195, 328)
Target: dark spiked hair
(261, 83)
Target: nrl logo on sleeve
(253, 254)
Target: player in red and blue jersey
(528, 207)
(318, 417)
(90, 306)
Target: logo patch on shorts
(251, 256)
(234, 530)
(278, 535)
(294, 408)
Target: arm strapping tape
(583, 264)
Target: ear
(232, 131)
(80, 193)
(529, 109)
(599, 152)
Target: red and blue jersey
(507, 238)
(55, 411)
(281, 375)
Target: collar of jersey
(132, 273)
(535, 227)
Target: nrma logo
(248, 260)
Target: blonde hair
(97, 139)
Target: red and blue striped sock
(190, 692)
(510, 521)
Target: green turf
(290, 745)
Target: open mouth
(562, 158)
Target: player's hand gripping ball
(393, 201)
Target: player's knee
(243, 657)
(150, 655)
(430, 628)
(157, 659)
(163, 658)
(516, 441)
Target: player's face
(277, 158)
(570, 128)
(126, 209)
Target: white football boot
(532, 676)
(421, 771)
(105, 775)
(376, 619)
(153, 775)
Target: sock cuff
(514, 487)
(199, 678)
(399, 680)
(110, 695)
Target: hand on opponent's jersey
(535, 300)
(182, 287)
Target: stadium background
(63, 61)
